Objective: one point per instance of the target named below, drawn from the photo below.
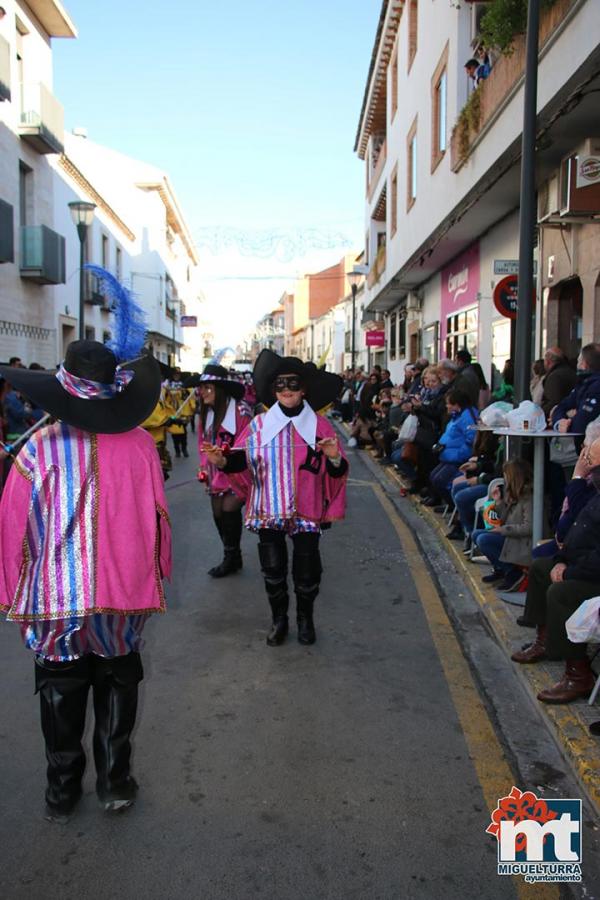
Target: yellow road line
(491, 767)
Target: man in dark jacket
(560, 379)
(557, 587)
(577, 409)
(467, 379)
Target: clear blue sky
(251, 107)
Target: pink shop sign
(460, 285)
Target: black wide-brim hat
(320, 387)
(92, 361)
(219, 375)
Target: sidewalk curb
(567, 724)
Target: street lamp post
(82, 214)
(354, 277)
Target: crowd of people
(429, 429)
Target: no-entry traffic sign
(506, 296)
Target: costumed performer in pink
(223, 417)
(84, 543)
(293, 475)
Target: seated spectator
(430, 408)
(559, 380)
(578, 491)
(508, 545)
(582, 404)
(557, 586)
(472, 485)
(454, 447)
(365, 417)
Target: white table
(538, 470)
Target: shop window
(401, 337)
(461, 332)
(430, 342)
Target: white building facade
(443, 167)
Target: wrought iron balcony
(42, 255)
(42, 119)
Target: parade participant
(156, 426)
(223, 417)
(293, 474)
(184, 404)
(84, 543)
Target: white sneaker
(353, 442)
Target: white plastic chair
(479, 504)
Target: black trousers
(551, 604)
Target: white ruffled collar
(275, 420)
(228, 423)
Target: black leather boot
(63, 689)
(231, 535)
(306, 570)
(273, 563)
(115, 686)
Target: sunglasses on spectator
(291, 382)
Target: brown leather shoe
(578, 681)
(536, 651)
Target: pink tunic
(84, 527)
(218, 482)
(286, 479)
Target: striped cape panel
(60, 565)
(273, 489)
(65, 639)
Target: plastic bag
(490, 515)
(563, 452)
(528, 416)
(409, 429)
(584, 624)
(494, 415)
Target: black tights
(224, 503)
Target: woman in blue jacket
(455, 446)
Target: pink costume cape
(218, 482)
(316, 495)
(84, 526)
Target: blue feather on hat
(130, 319)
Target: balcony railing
(92, 291)
(42, 255)
(378, 267)
(485, 102)
(42, 119)
(376, 174)
(4, 69)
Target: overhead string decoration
(130, 319)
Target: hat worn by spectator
(219, 374)
(320, 387)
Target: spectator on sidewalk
(508, 545)
(559, 381)
(506, 391)
(536, 382)
(454, 447)
(468, 380)
(557, 586)
(473, 484)
(582, 404)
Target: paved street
(346, 770)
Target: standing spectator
(506, 391)
(15, 363)
(536, 384)
(560, 379)
(468, 379)
(582, 405)
(386, 381)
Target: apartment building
(442, 166)
(32, 249)
(138, 233)
(269, 333)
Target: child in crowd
(508, 545)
